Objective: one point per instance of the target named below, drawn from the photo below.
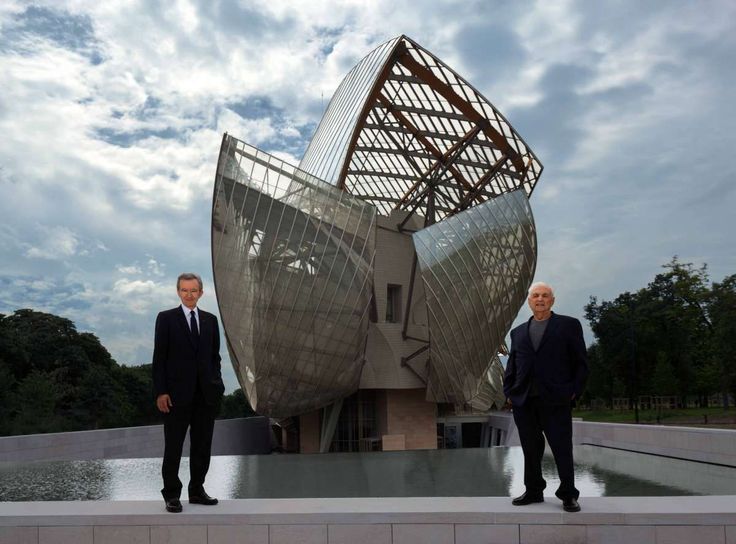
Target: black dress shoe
(173, 505)
(527, 498)
(570, 505)
(201, 497)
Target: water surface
(461, 472)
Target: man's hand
(163, 403)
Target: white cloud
(140, 296)
(156, 268)
(56, 243)
(110, 144)
(132, 269)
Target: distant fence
(242, 436)
(662, 402)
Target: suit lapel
(527, 338)
(205, 328)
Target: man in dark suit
(188, 387)
(545, 373)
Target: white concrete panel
(359, 534)
(231, 437)
(18, 535)
(237, 534)
(552, 534)
(65, 535)
(121, 534)
(689, 534)
(486, 534)
(179, 534)
(431, 533)
(298, 534)
(621, 534)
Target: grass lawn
(716, 417)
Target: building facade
(366, 294)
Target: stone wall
(243, 436)
(419, 520)
(409, 414)
(691, 443)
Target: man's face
(541, 300)
(189, 293)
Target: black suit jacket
(559, 366)
(179, 361)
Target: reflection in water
(463, 472)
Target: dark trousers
(199, 418)
(555, 421)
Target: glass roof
(405, 131)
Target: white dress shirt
(187, 313)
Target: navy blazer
(559, 366)
(179, 361)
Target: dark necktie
(193, 325)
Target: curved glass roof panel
(293, 266)
(403, 125)
(328, 147)
(476, 267)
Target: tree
(33, 404)
(601, 381)
(53, 378)
(663, 339)
(235, 405)
(722, 310)
(664, 381)
(615, 325)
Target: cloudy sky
(111, 116)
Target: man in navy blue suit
(545, 373)
(188, 387)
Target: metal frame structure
(293, 248)
(293, 260)
(404, 131)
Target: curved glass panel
(327, 150)
(490, 390)
(403, 125)
(476, 267)
(293, 248)
(293, 266)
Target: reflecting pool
(462, 472)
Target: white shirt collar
(187, 310)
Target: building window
(357, 427)
(393, 303)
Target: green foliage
(33, 404)
(664, 381)
(722, 311)
(53, 378)
(235, 405)
(673, 337)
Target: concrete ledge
(692, 443)
(457, 520)
(717, 446)
(242, 436)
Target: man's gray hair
(536, 284)
(189, 276)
